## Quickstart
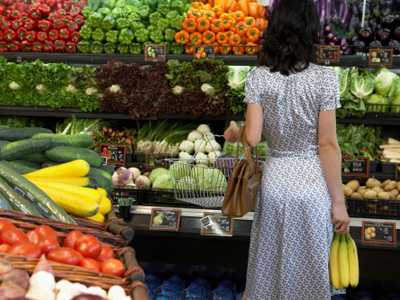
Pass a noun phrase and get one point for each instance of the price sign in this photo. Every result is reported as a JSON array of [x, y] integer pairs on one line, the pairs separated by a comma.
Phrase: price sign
[[155, 52], [358, 167], [216, 225], [203, 51], [328, 55], [380, 57], [375, 233], [114, 154], [165, 219]]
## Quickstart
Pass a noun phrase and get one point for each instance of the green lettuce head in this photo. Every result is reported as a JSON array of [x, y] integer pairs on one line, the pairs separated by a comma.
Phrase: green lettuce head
[[362, 85], [383, 81]]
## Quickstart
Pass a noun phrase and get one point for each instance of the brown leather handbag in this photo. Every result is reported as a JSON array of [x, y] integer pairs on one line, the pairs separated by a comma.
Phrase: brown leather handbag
[[243, 184]]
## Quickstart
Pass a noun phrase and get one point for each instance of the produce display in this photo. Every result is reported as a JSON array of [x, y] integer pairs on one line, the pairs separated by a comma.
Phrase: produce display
[[41, 26], [372, 190], [391, 151], [121, 26], [343, 262], [229, 26]]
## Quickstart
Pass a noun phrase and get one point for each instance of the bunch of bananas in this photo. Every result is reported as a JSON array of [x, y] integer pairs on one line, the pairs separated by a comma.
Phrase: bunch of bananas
[[343, 262]]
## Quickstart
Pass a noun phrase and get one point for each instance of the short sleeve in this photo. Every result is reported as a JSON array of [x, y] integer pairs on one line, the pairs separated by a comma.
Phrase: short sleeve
[[252, 89], [330, 96]]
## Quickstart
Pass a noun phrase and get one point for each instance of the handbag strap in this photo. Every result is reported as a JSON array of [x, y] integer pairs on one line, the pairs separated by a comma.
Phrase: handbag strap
[[247, 147]]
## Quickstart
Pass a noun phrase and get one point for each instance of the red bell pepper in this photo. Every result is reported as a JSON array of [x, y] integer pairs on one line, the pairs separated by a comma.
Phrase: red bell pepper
[[75, 10], [72, 26], [79, 19], [30, 36], [4, 24], [14, 14], [58, 23], [44, 25], [70, 47], [53, 34], [75, 37], [1, 35], [2, 9], [64, 34], [21, 33], [61, 12], [9, 35], [44, 9], [14, 46], [35, 13], [67, 5], [16, 24], [48, 46], [42, 36], [37, 47], [3, 47], [29, 24], [59, 45], [51, 3], [21, 6], [26, 46]]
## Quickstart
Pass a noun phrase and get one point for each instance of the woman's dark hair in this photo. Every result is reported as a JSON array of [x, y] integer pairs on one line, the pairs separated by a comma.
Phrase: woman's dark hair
[[289, 40]]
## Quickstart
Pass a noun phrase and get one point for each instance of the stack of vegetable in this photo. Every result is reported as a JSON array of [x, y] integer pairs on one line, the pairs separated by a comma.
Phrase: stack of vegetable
[[52, 191], [391, 151], [51, 85], [40, 26], [226, 25], [237, 150], [237, 76], [373, 190], [121, 26]]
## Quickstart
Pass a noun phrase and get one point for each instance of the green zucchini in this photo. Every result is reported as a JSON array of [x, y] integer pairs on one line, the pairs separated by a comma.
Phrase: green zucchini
[[100, 178], [4, 203], [16, 134], [23, 167], [38, 158], [19, 149], [48, 208], [109, 169], [17, 201], [63, 154], [77, 140], [47, 164], [3, 143]]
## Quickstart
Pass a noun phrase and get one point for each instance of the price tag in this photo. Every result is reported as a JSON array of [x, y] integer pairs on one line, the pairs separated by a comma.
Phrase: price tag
[[380, 57], [328, 55], [165, 219], [374, 233], [114, 154], [216, 225], [203, 51], [358, 167], [155, 52]]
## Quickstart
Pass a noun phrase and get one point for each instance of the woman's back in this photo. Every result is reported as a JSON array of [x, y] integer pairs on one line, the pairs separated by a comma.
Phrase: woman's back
[[291, 106]]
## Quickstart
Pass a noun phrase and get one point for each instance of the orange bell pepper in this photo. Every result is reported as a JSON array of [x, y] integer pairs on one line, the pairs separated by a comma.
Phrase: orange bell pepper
[[202, 24], [217, 25], [244, 7], [222, 38], [252, 48], [227, 21], [225, 49], [208, 37], [238, 50], [238, 15], [234, 7], [182, 37], [194, 13], [241, 28], [228, 4], [253, 9], [200, 53], [195, 38], [229, 34], [262, 11], [217, 10], [250, 21], [209, 14], [189, 24], [261, 24], [235, 40], [189, 49], [253, 34], [197, 5]]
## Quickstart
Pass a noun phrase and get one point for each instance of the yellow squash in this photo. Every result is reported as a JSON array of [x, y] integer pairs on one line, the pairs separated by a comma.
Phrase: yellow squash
[[76, 181], [99, 218], [75, 168]]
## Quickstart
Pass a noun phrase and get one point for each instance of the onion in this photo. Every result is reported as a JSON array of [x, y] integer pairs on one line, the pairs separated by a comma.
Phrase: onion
[[135, 173], [142, 182]]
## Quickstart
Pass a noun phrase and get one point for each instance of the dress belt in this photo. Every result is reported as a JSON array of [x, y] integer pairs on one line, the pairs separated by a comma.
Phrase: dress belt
[[296, 154]]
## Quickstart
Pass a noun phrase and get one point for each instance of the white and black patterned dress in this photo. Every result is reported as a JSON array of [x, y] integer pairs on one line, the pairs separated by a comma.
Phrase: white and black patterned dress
[[292, 230]]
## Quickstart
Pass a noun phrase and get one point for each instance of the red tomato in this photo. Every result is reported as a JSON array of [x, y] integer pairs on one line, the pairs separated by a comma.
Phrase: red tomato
[[13, 236], [113, 266], [88, 246], [6, 224], [48, 245], [26, 249], [71, 238], [34, 237], [4, 248], [65, 256], [106, 253], [46, 232], [91, 264]]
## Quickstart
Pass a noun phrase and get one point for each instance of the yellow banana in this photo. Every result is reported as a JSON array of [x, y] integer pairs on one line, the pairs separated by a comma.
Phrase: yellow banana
[[344, 262], [334, 263], [354, 272]]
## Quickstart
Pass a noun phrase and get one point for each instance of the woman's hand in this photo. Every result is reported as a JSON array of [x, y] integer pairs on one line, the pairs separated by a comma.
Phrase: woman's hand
[[340, 218], [232, 133]]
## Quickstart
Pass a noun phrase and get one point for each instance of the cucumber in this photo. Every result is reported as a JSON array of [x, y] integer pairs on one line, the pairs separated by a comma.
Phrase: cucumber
[[4, 203], [63, 154], [77, 140], [17, 201], [16, 134], [47, 164], [48, 208], [23, 167], [100, 178], [109, 169], [3, 143], [38, 158], [19, 149]]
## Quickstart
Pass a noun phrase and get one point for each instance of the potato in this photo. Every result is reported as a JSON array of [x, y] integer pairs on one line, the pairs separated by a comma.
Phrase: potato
[[356, 196], [361, 190], [398, 186], [383, 196], [398, 197], [372, 182], [347, 191], [370, 194], [353, 184], [394, 194], [390, 186], [385, 182], [378, 189]]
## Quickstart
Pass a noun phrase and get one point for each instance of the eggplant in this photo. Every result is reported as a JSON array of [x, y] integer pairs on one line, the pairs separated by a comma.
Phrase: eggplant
[[388, 21], [396, 33], [365, 34], [395, 45], [383, 35], [375, 44], [359, 46]]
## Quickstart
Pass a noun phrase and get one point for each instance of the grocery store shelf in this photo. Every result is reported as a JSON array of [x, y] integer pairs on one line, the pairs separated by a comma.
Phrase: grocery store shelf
[[96, 59]]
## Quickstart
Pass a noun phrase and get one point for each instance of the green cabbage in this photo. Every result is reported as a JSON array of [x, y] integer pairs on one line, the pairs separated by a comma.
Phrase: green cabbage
[[377, 103], [180, 169], [164, 181], [212, 180], [383, 81], [186, 183], [157, 173], [395, 95], [344, 79], [362, 85]]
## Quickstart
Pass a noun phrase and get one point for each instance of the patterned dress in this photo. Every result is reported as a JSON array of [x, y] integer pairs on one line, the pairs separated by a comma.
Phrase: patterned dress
[[292, 230]]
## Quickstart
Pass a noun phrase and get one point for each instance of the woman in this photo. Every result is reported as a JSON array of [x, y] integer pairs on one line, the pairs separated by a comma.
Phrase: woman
[[292, 102]]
